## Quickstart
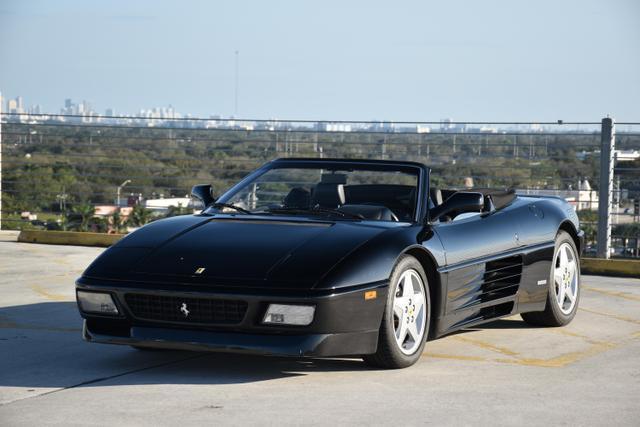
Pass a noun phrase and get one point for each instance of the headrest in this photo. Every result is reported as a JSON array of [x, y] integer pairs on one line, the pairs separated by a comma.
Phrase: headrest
[[436, 196], [328, 195], [500, 198], [333, 178], [298, 197]]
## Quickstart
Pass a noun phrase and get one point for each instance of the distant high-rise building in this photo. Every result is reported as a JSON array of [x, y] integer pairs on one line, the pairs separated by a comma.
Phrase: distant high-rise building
[[446, 124], [20, 103], [12, 106], [109, 112]]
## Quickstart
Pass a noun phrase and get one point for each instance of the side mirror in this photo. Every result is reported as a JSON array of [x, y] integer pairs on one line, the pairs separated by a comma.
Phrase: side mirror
[[202, 192], [460, 202]]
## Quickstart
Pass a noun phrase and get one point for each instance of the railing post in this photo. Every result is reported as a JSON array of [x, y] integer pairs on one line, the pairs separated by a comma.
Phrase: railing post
[[607, 150], [1, 100]]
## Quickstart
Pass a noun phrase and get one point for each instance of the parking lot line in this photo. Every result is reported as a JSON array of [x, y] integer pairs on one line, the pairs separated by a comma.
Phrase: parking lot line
[[564, 331], [455, 357], [595, 347], [554, 362], [564, 359], [611, 316], [625, 295], [489, 346]]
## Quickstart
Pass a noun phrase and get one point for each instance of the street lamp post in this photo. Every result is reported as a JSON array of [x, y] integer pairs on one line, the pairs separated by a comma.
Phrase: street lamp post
[[118, 191]]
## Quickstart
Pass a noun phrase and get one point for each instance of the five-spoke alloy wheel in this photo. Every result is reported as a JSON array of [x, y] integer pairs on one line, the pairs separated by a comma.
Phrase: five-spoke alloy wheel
[[564, 286], [409, 317], [565, 278], [405, 322]]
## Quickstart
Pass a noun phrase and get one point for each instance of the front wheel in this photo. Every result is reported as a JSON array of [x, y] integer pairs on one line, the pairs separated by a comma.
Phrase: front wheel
[[564, 286], [405, 322]]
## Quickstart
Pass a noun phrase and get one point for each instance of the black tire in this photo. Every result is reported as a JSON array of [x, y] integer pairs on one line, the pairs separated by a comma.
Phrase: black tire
[[552, 316], [388, 355]]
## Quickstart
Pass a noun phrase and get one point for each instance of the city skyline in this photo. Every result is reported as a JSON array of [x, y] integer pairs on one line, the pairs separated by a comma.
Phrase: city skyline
[[17, 106], [82, 112], [17, 109]]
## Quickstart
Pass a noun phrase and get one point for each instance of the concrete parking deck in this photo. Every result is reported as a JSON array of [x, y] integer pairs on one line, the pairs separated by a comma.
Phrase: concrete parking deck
[[506, 372]]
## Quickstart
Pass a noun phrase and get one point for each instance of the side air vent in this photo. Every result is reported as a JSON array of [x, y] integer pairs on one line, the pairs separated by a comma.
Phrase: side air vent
[[484, 283], [494, 311], [501, 278]]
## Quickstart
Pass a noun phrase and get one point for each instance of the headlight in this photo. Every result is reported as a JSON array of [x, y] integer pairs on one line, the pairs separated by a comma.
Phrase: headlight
[[97, 302], [284, 314]]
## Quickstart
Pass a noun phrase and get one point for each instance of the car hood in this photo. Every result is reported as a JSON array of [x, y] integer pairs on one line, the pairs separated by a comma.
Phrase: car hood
[[234, 251]]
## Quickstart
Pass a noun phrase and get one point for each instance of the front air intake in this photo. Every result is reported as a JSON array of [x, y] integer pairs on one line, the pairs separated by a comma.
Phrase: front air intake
[[176, 309]]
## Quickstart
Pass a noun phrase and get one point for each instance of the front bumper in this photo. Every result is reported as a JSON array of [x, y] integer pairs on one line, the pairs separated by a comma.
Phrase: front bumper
[[307, 345], [345, 323]]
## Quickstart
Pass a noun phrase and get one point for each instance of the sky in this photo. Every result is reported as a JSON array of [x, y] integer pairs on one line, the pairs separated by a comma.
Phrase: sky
[[487, 60]]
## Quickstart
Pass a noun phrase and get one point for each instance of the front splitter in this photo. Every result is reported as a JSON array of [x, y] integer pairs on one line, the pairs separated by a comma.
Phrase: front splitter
[[303, 345]]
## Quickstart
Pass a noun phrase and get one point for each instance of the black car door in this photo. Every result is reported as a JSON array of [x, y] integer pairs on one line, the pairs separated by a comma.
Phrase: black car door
[[482, 273]]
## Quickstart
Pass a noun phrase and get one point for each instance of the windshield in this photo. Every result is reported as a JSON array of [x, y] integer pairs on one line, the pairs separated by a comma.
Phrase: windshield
[[382, 195]]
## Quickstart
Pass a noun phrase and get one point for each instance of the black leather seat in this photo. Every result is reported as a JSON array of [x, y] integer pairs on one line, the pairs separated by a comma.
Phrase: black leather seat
[[298, 198], [374, 212], [328, 195]]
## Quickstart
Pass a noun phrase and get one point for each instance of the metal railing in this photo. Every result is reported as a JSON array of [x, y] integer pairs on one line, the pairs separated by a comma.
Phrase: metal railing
[[55, 166]]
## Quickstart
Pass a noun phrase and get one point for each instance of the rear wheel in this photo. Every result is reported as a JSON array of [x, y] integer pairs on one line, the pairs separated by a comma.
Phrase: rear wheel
[[564, 286], [405, 322]]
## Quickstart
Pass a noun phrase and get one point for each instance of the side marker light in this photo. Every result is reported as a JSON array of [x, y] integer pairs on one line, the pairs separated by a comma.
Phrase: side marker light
[[370, 295]]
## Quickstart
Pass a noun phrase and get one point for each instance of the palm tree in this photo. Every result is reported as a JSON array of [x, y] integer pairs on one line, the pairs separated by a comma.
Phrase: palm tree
[[139, 216], [177, 210], [86, 212], [117, 222]]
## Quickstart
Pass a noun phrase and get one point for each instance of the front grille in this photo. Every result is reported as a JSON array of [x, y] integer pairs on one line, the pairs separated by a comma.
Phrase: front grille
[[186, 310]]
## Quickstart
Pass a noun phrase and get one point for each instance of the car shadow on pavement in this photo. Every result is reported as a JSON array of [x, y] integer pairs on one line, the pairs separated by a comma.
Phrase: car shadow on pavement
[[506, 324], [41, 347]]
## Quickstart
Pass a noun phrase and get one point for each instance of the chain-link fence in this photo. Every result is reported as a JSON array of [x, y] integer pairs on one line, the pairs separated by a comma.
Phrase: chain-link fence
[[107, 174]]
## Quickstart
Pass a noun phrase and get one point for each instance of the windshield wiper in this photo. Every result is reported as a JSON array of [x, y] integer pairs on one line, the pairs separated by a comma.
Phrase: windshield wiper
[[219, 205], [316, 210]]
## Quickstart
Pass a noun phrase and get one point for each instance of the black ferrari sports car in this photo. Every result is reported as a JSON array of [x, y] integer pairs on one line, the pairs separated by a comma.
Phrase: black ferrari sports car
[[328, 257]]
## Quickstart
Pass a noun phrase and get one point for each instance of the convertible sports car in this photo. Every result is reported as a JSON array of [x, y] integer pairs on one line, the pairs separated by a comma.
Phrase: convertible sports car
[[328, 257]]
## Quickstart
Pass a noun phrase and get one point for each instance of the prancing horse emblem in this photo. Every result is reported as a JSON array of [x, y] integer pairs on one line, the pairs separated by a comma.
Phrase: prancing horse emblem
[[200, 270], [184, 310]]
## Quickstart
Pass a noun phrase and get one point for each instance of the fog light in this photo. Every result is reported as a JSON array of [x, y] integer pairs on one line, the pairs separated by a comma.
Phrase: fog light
[[96, 302], [289, 314]]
